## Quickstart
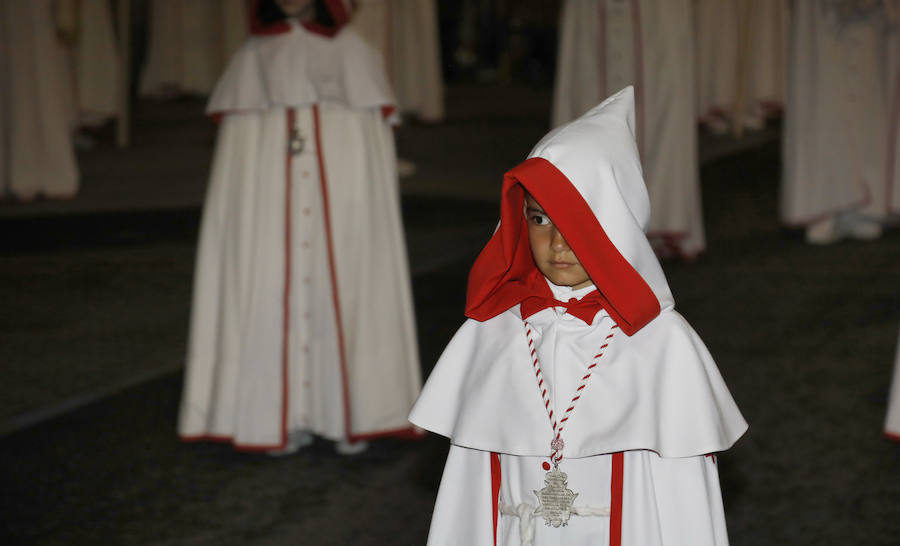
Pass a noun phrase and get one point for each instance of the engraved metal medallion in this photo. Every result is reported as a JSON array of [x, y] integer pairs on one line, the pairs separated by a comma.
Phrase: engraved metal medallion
[[555, 499], [296, 143]]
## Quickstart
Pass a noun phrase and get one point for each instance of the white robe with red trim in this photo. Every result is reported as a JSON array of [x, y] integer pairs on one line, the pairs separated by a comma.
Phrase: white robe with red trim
[[406, 33], [36, 109], [840, 131], [653, 406], [605, 46], [302, 312]]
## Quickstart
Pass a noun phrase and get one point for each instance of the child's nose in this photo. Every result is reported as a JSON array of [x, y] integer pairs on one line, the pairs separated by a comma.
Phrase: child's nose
[[557, 242]]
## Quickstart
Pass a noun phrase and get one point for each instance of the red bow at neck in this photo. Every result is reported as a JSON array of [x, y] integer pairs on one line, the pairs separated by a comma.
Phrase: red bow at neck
[[585, 308]]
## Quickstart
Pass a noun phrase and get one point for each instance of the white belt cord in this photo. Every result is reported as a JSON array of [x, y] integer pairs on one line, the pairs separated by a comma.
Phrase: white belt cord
[[526, 514]]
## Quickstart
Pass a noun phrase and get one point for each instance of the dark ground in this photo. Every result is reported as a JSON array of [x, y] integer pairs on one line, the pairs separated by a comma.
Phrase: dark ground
[[804, 336]]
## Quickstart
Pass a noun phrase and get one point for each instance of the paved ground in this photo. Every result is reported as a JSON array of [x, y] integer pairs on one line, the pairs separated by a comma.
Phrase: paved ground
[[94, 315]]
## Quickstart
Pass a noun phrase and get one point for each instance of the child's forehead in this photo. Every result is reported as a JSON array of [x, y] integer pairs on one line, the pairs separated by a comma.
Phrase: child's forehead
[[530, 201]]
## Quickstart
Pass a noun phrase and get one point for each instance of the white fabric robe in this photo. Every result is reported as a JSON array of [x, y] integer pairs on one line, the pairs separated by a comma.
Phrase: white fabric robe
[[841, 116], [302, 312], [605, 46], [36, 111], [653, 406], [892, 421], [406, 33], [741, 48], [189, 44]]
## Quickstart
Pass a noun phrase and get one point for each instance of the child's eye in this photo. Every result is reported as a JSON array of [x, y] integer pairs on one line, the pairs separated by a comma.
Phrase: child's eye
[[540, 219]]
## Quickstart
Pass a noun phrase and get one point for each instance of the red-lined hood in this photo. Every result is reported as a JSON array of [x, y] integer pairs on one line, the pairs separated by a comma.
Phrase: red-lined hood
[[587, 177], [340, 11]]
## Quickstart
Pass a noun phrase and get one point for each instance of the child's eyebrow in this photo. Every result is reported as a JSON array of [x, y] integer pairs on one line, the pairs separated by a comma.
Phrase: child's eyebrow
[[535, 209]]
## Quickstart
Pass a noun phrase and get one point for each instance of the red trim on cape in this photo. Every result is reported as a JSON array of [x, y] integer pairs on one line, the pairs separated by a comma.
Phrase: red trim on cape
[[616, 494], [504, 273], [894, 437], [496, 480], [332, 270]]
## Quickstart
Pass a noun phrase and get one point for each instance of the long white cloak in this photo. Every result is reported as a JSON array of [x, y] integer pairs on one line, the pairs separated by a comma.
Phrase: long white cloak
[[188, 44], [605, 46], [36, 155], [406, 33], [302, 312], [654, 404], [839, 140], [741, 48]]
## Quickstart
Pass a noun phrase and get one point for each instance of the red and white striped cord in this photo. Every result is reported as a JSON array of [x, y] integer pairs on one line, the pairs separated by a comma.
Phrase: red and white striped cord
[[557, 444]]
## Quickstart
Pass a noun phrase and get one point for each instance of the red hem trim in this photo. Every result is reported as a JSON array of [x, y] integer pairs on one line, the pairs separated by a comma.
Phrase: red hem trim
[[407, 433], [332, 270], [496, 480], [616, 493], [894, 437]]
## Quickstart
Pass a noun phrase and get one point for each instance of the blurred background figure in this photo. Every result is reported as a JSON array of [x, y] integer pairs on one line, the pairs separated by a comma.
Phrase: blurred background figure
[[605, 46], [840, 139], [302, 320], [36, 104], [189, 44], [892, 421], [741, 49], [87, 30], [406, 33]]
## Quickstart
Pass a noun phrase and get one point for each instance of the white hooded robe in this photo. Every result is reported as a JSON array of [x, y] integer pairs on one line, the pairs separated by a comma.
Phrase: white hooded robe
[[302, 313], [654, 407]]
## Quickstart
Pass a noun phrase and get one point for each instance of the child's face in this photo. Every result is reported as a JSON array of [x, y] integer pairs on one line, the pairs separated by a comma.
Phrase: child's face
[[550, 250], [294, 8]]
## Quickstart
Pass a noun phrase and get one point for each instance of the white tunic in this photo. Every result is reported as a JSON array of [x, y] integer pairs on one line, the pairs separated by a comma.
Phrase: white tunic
[[839, 140], [607, 45], [406, 33], [36, 110], [302, 313]]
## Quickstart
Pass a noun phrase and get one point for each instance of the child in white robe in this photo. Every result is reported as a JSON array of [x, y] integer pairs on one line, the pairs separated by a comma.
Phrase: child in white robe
[[581, 408], [302, 317]]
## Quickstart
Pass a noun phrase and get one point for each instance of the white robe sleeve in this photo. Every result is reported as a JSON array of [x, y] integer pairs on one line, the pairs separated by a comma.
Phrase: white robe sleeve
[[463, 512], [689, 510]]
